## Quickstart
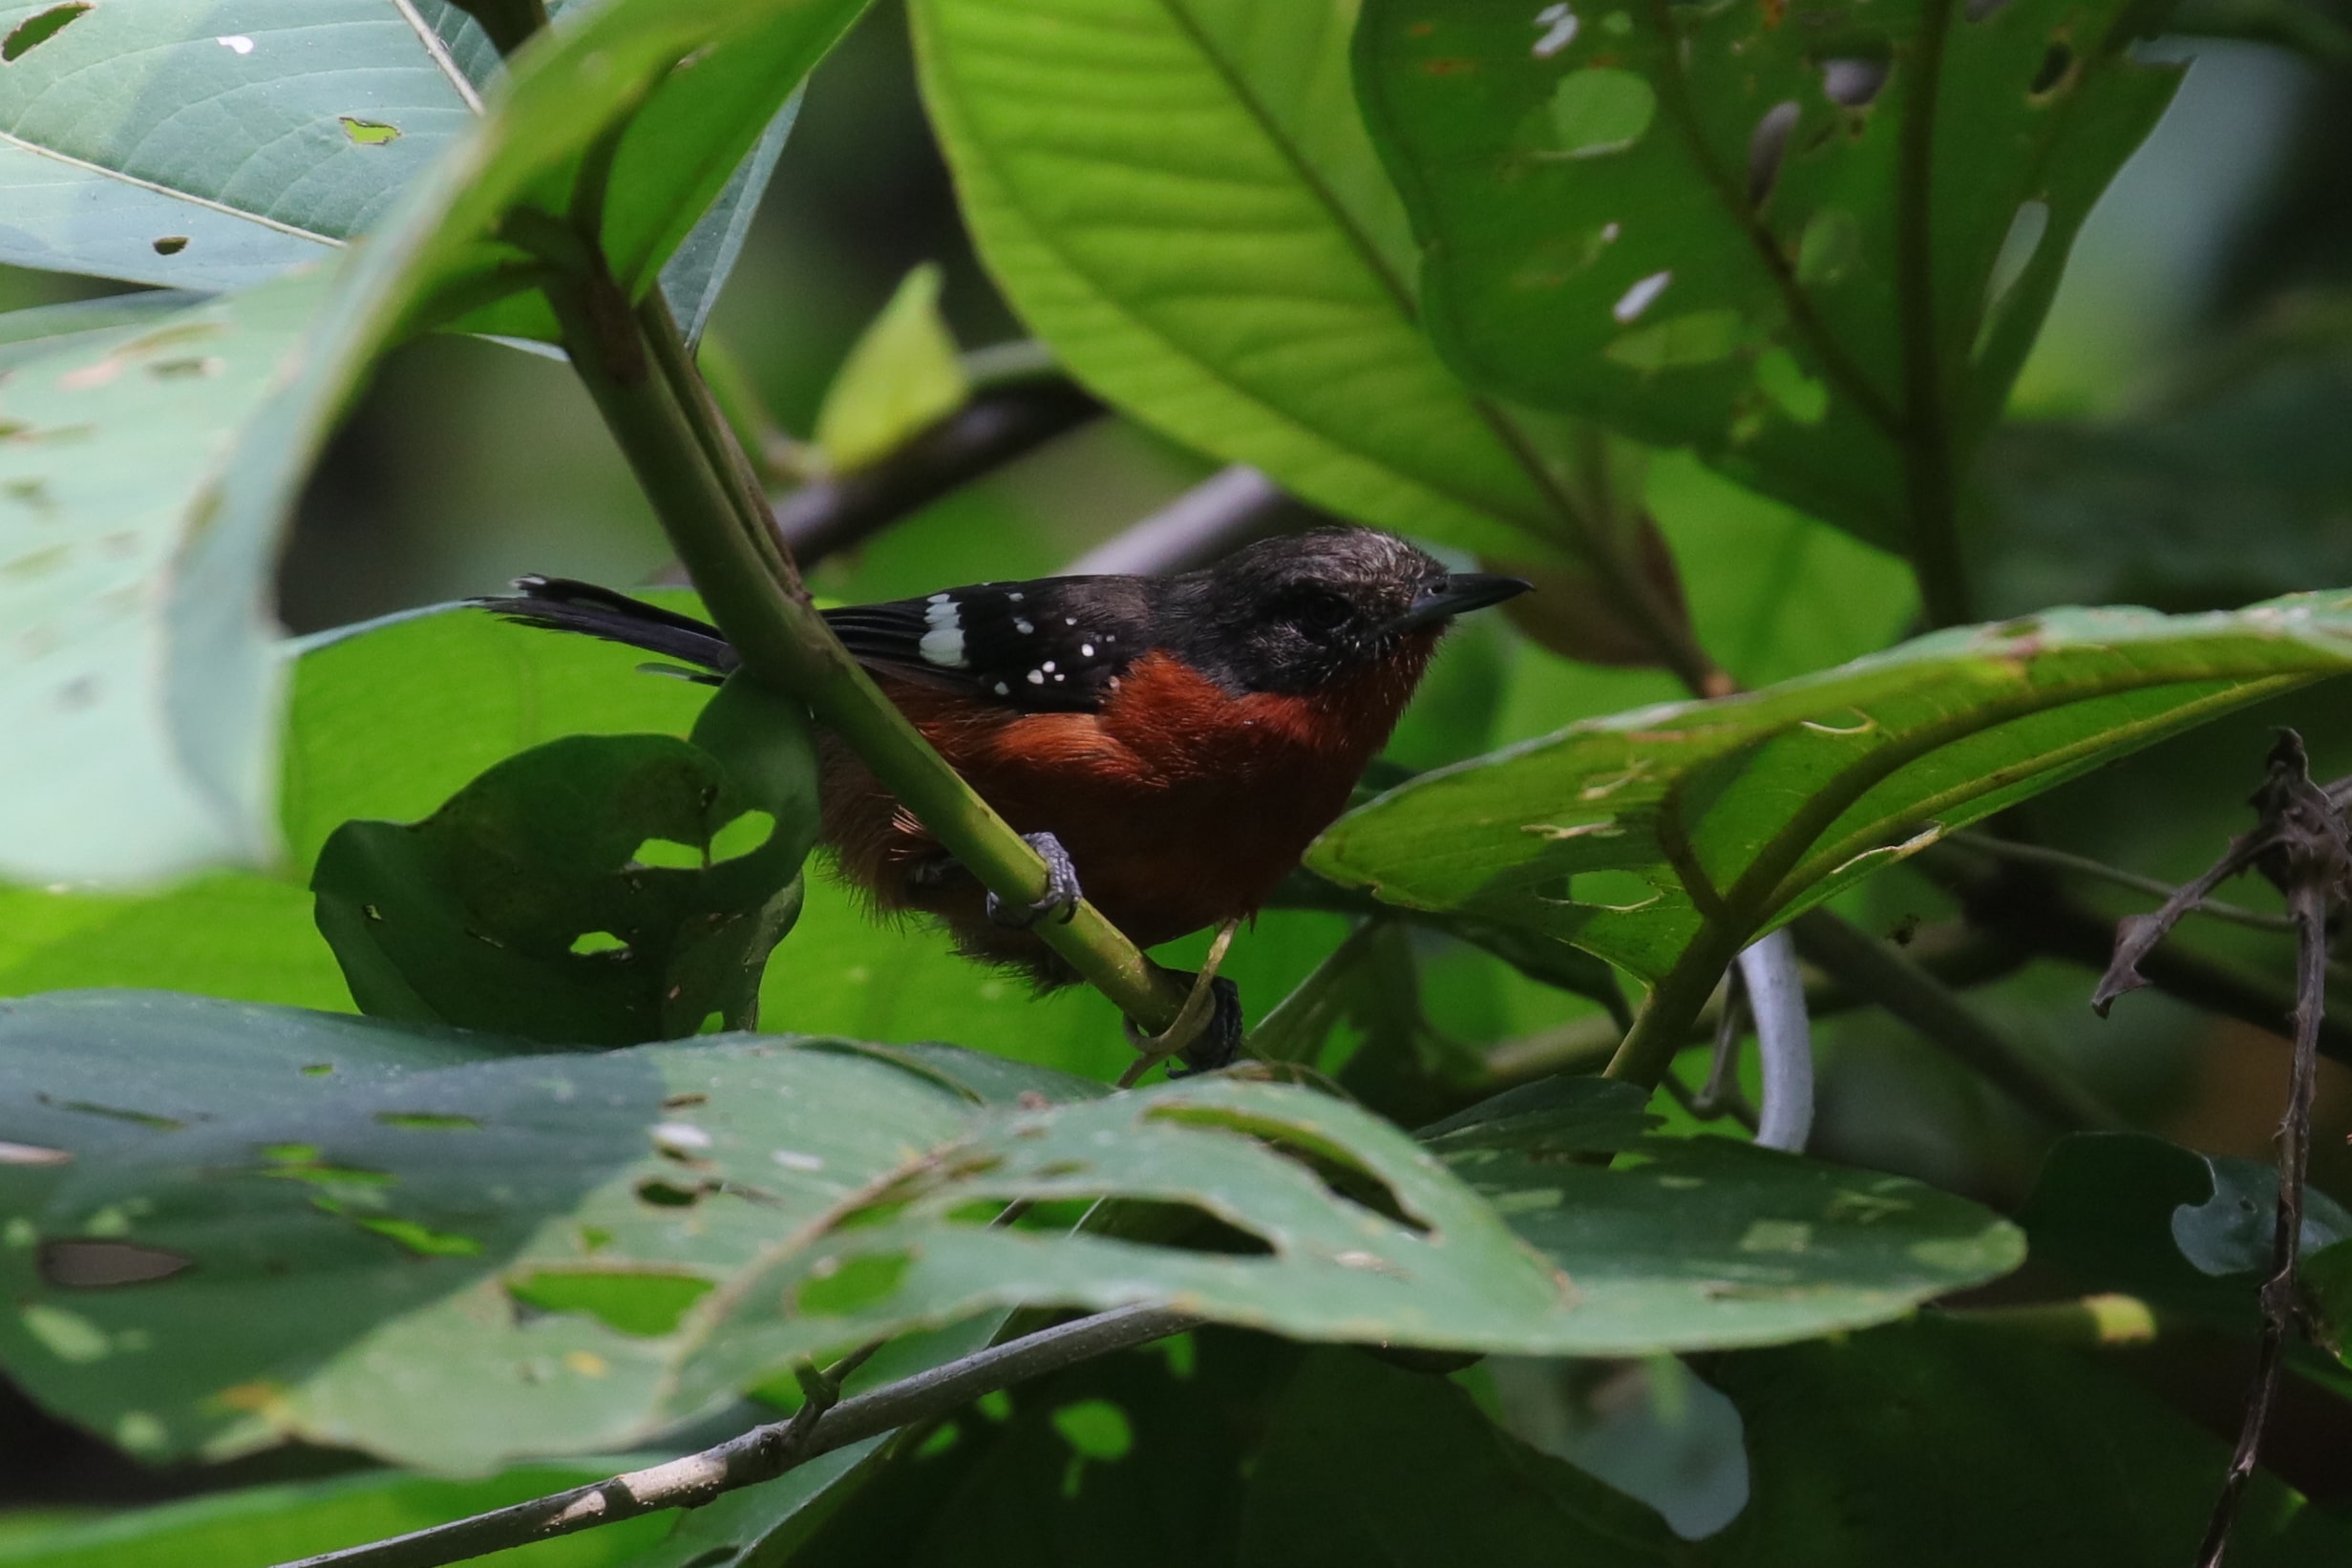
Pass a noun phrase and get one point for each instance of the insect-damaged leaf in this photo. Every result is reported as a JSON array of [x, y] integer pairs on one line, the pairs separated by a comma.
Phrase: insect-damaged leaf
[[596, 890], [449, 1265], [1636, 836], [1812, 240]]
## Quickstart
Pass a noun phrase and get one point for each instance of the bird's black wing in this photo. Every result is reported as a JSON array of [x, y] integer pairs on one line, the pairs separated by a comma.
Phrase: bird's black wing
[[1050, 645]]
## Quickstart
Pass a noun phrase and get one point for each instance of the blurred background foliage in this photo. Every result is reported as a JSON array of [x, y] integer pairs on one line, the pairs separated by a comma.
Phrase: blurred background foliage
[[467, 462]]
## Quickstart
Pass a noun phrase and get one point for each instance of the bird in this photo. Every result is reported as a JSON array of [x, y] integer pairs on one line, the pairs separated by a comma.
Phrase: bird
[[1169, 745]]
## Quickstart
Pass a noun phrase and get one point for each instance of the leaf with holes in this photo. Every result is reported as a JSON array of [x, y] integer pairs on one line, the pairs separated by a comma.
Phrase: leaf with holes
[[1179, 197], [188, 772], [1812, 240], [1666, 839], [228, 1225], [188, 144], [596, 890], [1708, 1243]]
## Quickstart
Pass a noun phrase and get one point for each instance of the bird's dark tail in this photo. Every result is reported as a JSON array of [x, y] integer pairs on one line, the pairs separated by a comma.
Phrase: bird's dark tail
[[561, 604]]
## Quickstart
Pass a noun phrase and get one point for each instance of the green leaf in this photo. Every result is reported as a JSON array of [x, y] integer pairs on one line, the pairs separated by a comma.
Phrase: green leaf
[[1177, 194], [902, 376], [338, 1227], [1940, 1443], [1365, 1463], [155, 144], [141, 672], [1673, 836], [2188, 1234], [265, 1524], [1811, 242], [187, 754], [1686, 1243], [596, 890]]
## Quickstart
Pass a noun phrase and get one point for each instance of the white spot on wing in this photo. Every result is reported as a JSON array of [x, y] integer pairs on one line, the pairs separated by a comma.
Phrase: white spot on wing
[[1085, 650], [1640, 296], [944, 644], [1024, 627], [1037, 677]]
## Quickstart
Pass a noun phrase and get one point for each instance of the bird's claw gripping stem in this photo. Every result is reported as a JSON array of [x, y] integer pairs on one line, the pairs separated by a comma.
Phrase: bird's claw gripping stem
[[1218, 1040], [1061, 894]]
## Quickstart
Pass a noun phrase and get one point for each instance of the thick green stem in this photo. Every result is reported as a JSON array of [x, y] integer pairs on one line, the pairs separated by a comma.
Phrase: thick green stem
[[703, 490], [1662, 1026]]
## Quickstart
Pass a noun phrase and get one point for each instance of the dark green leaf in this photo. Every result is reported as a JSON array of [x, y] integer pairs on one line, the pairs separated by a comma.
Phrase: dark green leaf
[[1650, 835], [1813, 241], [1366, 1463], [596, 890], [1937, 1444]]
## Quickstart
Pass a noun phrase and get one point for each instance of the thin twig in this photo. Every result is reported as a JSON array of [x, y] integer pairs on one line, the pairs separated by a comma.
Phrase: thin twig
[[764, 1452], [1888, 977], [2058, 860]]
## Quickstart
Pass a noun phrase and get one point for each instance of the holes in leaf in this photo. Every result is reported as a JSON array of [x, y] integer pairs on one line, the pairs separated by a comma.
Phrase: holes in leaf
[[645, 1304], [422, 1239], [1853, 82], [1764, 147], [2018, 246], [742, 835], [1186, 1227], [170, 245], [370, 132], [427, 1121], [1342, 1174], [142, 1118], [40, 27], [838, 1287], [1700, 337], [2055, 71], [663, 1194], [84, 1264], [590, 942], [1828, 248], [192, 368], [668, 854], [1597, 112]]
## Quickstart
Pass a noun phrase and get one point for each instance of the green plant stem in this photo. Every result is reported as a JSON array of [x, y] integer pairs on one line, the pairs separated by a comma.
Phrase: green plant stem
[[703, 490], [1664, 1025], [1884, 973], [1931, 481]]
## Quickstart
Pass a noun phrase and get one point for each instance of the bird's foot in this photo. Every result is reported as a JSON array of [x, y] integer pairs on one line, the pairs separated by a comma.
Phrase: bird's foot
[[1218, 1040], [1062, 891]]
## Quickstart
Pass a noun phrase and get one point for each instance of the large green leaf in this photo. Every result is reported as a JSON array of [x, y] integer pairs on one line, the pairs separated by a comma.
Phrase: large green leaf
[[196, 145], [1813, 241], [271, 1223], [256, 1526], [1679, 833], [1179, 197], [1943, 1445], [195, 734], [596, 890], [226, 1224]]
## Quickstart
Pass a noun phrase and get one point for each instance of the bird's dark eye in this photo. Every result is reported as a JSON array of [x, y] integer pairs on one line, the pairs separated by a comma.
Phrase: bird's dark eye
[[1317, 610]]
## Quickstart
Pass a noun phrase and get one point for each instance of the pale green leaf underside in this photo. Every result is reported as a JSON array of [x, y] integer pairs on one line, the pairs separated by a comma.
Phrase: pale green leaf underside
[[193, 144], [575, 1251], [1635, 835]]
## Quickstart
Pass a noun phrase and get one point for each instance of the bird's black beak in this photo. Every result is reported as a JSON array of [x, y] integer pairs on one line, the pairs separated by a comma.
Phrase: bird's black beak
[[1461, 593]]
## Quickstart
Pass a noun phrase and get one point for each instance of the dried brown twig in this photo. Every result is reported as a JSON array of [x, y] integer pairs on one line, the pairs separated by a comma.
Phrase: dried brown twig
[[2303, 844]]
